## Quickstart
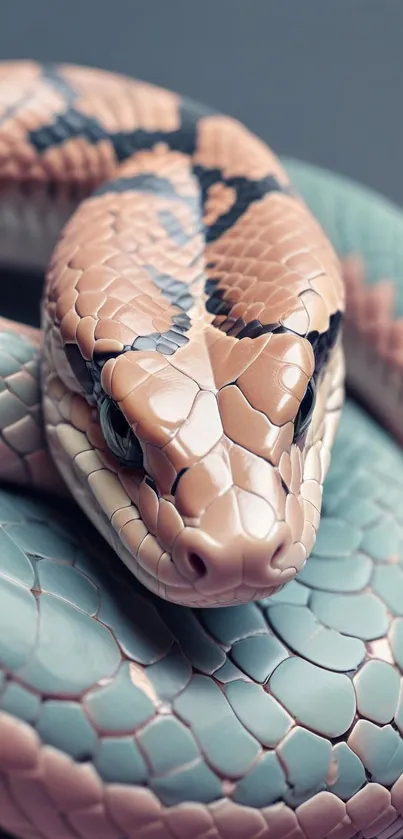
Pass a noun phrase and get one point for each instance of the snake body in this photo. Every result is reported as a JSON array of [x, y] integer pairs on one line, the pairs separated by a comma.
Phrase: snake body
[[185, 389], [191, 365]]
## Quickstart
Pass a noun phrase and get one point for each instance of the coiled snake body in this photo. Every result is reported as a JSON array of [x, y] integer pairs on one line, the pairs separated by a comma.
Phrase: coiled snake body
[[191, 365], [186, 386]]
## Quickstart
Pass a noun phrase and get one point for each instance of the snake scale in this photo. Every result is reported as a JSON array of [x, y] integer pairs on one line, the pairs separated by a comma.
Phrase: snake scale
[[186, 389]]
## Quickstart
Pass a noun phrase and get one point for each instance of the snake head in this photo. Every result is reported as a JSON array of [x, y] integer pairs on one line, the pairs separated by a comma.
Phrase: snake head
[[215, 504]]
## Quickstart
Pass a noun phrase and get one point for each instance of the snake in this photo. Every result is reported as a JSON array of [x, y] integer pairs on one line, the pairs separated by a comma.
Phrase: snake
[[186, 390], [191, 366]]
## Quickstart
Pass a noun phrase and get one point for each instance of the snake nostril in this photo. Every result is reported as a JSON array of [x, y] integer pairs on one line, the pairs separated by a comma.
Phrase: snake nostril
[[197, 565], [278, 555]]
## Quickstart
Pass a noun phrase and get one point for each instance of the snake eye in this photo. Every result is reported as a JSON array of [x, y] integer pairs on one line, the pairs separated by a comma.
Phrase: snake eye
[[119, 436], [305, 411]]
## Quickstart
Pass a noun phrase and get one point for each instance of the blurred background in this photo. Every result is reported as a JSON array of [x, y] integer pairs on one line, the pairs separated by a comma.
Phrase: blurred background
[[319, 80]]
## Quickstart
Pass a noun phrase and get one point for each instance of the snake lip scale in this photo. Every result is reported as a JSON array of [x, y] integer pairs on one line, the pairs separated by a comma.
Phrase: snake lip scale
[[190, 355]]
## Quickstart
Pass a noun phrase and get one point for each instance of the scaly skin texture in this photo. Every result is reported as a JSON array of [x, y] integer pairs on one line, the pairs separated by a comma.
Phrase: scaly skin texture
[[128, 717], [191, 310]]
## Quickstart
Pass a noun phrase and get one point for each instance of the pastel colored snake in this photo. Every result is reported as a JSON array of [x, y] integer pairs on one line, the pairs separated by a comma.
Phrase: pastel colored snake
[[190, 375], [191, 364]]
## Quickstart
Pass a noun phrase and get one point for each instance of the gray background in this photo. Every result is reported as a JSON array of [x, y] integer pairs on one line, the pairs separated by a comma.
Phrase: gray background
[[318, 79]]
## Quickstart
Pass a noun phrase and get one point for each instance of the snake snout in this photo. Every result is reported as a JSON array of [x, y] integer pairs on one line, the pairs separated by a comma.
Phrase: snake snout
[[213, 568]]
